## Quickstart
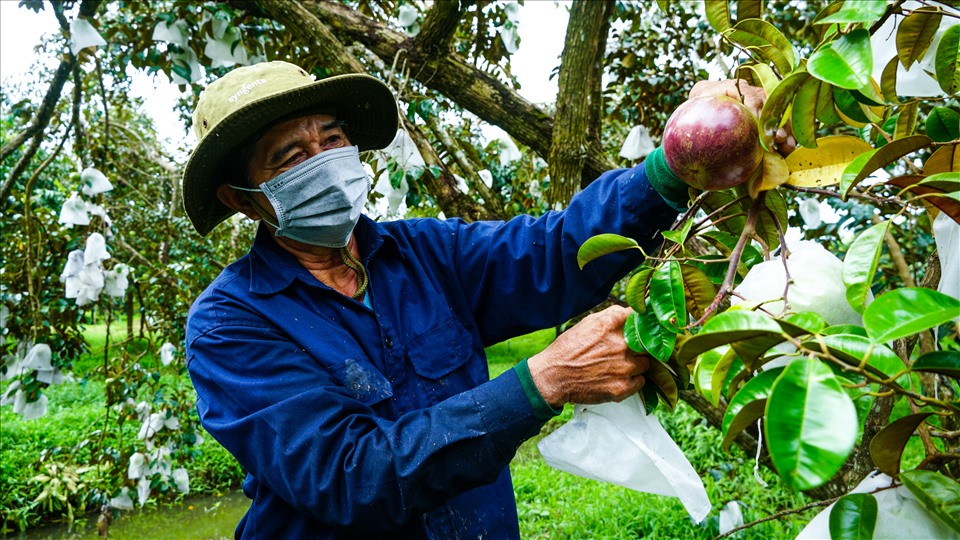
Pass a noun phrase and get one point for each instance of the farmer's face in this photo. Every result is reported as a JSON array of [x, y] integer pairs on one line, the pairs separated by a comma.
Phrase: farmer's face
[[292, 142]]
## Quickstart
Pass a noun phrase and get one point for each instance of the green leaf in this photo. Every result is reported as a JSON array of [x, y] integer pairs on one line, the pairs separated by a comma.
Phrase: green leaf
[[766, 228], [804, 116], [844, 329], [630, 334], [811, 424], [666, 295], [700, 291], [718, 14], [826, 110], [852, 170], [948, 52], [603, 244], [846, 62], [902, 312], [771, 116], [915, 34], [948, 182], [808, 321], [739, 413], [637, 288], [719, 375], [726, 328], [649, 397], [653, 337], [749, 9], [856, 350], [704, 368], [767, 41], [937, 493], [860, 264], [942, 362], [750, 350], [853, 517], [858, 11], [679, 236], [886, 447], [659, 375], [848, 106], [943, 124]]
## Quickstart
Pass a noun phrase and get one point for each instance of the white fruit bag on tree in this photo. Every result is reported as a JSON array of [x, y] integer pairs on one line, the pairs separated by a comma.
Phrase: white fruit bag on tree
[[899, 515], [946, 231], [817, 284], [619, 443], [638, 143]]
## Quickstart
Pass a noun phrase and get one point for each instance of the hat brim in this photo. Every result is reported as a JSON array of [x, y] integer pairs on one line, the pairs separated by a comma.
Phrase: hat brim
[[363, 102]]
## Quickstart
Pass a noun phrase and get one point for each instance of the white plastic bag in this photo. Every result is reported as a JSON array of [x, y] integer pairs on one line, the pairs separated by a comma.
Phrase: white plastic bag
[[946, 231], [637, 144], [899, 515], [620, 444]]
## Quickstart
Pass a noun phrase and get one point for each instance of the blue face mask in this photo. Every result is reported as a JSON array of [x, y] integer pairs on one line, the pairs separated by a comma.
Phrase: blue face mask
[[319, 201]]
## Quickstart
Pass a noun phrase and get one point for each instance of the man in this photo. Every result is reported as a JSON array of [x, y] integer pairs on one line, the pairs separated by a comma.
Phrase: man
[[341, 361]]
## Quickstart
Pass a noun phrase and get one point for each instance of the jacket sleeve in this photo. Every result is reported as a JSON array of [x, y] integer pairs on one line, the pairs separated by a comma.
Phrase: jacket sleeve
[[523, 275], [320, 446]]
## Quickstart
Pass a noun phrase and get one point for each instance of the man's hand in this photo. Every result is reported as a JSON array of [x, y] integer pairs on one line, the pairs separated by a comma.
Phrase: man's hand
[[589, 363], [753, 98]]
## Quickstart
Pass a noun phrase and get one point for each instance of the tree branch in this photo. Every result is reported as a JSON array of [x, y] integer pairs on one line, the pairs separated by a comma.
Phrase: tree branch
[[41, 119], [439, 25]]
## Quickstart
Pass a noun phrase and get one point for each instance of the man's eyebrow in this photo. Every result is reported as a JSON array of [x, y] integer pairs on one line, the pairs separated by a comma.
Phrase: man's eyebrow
[[278, 154]]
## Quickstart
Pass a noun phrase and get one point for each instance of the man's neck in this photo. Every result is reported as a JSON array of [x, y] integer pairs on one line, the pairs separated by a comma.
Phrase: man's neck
[[325, 264]]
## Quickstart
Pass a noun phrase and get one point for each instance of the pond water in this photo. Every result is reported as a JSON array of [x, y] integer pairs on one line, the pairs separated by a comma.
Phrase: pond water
[[202, 518]]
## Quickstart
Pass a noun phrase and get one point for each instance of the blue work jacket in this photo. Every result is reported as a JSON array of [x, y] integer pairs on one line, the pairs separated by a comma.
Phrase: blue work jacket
[[381, 422]]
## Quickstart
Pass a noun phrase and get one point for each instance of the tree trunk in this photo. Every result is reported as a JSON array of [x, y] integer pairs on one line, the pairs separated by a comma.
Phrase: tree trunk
[[577, 122]]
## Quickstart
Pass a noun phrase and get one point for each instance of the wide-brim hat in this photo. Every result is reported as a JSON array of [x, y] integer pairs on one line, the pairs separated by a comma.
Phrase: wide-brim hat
[[247, 100]]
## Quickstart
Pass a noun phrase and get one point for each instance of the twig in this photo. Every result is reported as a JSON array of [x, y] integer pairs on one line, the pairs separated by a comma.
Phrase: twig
[[784, 254], [778, 515]]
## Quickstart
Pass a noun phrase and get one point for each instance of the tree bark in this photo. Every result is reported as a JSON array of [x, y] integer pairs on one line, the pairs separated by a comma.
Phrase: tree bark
[[450, 75], [575, 133], [439, 26]]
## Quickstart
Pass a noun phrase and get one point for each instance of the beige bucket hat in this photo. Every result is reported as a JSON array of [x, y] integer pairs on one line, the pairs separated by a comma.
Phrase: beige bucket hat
[[248, 99]]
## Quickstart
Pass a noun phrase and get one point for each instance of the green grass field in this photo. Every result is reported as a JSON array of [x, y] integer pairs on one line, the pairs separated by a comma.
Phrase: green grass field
[[551, 504]]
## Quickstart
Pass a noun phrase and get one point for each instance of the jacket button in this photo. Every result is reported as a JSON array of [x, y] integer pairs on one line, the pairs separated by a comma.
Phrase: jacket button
[[389, 342]]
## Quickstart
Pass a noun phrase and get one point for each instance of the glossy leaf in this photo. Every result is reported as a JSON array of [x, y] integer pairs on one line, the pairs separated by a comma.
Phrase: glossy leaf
[[719, 375], [826, 109], [750, 350], [747, 405], [943, 124], [666, 295], [637, 289], [946, 182], [869, 94], [942, 362], [853, 517], [902, 312], [718, 14], [882, 157], [946, 63], [700, 291], [852, 170], [652, 336], [811, 424], [775, 174], [803, 120], [886, 447], [766, 228], [603, 244], [860, 11], [844, 329], [846, 62], [804, 322], [717, 199], [824, 165], [776, 105], [703, 370], [650, 397], [764, 75], [849, 109], [660, 376], [937, 493], [679, 236], [726, 328], [860, 264], [767, 41], [888, 81], [854, 349], [915, 34], [907, 120]]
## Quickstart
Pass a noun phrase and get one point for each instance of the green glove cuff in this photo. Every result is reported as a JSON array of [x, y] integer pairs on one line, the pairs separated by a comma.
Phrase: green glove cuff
[[541, 408], [672, 189]]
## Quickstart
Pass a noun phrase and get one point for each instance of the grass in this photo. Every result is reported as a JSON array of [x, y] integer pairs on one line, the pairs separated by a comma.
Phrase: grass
[[551, 504]]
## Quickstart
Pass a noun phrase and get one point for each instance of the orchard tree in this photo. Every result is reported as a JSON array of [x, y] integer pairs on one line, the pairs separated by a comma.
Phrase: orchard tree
[[836, 398]]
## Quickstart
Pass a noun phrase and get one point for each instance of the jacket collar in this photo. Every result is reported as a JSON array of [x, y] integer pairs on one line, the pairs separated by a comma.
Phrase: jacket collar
[[273, 268]]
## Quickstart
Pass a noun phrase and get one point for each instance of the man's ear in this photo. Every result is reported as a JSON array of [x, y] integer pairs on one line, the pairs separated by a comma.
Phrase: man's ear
[[237, 200]]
